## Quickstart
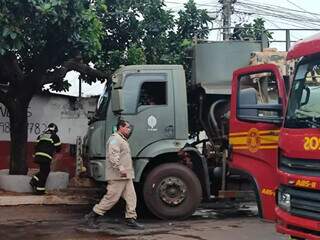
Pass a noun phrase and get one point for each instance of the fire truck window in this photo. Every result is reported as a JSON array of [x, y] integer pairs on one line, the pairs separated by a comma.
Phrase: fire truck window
[[153, 93], [258, 89]]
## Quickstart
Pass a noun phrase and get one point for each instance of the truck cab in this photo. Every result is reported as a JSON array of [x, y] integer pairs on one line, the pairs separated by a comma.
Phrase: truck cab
[[298, 196], [145, 96]]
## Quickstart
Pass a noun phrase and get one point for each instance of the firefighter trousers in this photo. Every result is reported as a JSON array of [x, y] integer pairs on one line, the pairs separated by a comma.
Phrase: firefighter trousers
[[40, 178], [115, 190]]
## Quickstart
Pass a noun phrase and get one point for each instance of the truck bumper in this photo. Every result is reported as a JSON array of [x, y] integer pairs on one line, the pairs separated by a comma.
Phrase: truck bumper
[[297, 226]]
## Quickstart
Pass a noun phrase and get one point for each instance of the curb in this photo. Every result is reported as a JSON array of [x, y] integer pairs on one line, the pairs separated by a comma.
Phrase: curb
[[45, 200]]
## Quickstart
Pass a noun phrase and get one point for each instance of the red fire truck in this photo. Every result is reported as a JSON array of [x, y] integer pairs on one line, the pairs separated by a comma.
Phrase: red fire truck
[[298, 195]]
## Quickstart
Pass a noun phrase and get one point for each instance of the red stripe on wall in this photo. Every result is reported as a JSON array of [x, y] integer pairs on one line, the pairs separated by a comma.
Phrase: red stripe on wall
[[64, 161]]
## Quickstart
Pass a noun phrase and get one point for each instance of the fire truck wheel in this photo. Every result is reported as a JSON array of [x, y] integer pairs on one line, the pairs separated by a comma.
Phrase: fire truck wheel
[[172, 191]]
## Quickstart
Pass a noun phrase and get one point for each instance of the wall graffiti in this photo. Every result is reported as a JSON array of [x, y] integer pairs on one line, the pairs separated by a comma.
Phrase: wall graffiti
[[72, 122]]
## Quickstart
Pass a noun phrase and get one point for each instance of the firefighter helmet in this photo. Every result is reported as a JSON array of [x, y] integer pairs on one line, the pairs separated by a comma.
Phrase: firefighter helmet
[[52, 127]]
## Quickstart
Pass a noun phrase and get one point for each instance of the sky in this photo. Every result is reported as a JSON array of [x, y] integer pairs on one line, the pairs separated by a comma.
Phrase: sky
[[277, 14]]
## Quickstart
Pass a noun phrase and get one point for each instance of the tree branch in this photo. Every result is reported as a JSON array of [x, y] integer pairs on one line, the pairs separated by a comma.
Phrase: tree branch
[[73, 64], [10, 71], [76, 65], [3, 95]]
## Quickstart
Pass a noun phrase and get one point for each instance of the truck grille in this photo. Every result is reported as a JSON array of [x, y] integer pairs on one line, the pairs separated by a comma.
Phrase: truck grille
[[304, 167], [304, 203]]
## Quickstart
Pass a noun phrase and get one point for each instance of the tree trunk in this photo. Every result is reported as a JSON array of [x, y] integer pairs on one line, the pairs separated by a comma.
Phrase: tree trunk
[[19, 136]]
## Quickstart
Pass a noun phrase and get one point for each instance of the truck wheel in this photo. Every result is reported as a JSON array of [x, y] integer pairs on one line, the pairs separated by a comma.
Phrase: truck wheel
[[172, 191]]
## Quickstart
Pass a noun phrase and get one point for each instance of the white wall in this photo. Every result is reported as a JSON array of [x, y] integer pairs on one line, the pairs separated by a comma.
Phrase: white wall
[[52, 108]]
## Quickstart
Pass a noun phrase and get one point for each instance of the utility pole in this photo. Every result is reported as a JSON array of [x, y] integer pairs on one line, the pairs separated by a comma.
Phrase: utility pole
[[227, 10]]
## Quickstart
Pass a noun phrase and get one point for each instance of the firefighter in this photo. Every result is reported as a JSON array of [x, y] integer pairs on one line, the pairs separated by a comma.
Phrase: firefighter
[[48, 143]]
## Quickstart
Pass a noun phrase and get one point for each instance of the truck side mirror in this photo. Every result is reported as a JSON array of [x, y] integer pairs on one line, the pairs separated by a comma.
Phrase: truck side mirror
[[116, 100], [306, 96]]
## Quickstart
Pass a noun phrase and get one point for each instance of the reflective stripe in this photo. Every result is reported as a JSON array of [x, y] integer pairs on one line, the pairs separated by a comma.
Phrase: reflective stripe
[[254, 140], [35, 177], [57, 144], [41, 188], [261, 147], [43, 154], [260, 132], [46, 139], [266, 139]]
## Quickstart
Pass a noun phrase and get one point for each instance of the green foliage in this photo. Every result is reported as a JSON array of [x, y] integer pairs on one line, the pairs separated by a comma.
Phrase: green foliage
[[43, 34], [157, 23], [61, 86], [108, 33], [136, 56], [193, 22], [145, 32], [252, 30]]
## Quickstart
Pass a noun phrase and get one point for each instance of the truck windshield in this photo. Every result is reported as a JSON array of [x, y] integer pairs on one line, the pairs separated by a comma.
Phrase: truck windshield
[[304, 100], [102, 104]]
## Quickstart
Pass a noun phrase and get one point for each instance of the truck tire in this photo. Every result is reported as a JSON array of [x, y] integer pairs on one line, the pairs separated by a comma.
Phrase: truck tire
[[172, 191]]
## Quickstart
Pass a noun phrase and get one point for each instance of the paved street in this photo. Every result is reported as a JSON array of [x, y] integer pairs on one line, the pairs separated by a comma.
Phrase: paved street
[[65, 222]]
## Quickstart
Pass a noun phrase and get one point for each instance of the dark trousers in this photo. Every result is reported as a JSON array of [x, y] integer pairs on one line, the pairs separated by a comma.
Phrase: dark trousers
[[39, 179]]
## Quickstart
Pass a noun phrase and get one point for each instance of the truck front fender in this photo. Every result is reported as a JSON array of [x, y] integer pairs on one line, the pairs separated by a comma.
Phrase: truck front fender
[[161, 147], [200, 167], [139, 165], [152, 151]]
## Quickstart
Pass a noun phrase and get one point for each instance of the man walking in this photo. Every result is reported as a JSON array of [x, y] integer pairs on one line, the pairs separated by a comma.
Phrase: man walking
[[119, 174], [47, 144]]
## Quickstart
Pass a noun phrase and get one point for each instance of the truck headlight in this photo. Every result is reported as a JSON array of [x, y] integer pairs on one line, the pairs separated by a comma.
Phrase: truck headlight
[[284, 201]]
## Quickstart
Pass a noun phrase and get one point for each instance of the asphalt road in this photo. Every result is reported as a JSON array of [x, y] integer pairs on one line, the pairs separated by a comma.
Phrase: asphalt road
[[66, 222]]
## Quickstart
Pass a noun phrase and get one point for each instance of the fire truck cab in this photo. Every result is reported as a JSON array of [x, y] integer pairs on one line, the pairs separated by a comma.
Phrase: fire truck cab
[[298, 195]]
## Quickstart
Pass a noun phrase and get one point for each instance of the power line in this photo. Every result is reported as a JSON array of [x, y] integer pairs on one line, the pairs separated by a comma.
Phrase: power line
[[280, 12], [279, 9], [279, 18], [276, 15], [248, 2], [197, 4], [297, 6], [277, 26], [294, 18]]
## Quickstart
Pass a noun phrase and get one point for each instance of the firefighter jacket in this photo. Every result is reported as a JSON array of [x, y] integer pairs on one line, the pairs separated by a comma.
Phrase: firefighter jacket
[[118, 156], [47, 144]]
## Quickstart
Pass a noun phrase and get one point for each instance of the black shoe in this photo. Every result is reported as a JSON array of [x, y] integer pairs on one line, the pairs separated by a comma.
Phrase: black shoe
[[39, 193], [91, 219], [33, 184], [132, 223]]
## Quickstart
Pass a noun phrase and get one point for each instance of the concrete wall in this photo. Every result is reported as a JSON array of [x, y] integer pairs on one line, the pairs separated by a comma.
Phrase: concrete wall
[[70, 117]]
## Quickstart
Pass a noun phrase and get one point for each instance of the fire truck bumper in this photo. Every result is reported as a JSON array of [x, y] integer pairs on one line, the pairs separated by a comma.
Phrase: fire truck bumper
[[297, 226]]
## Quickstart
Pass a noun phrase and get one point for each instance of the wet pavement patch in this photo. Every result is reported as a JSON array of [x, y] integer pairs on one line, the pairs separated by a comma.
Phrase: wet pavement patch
[[234, 226], [122, 230]]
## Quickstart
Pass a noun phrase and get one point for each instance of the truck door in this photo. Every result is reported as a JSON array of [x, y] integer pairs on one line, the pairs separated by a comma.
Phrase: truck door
[[151, 111], [257, 106]]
